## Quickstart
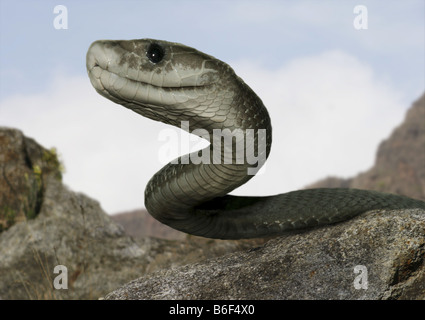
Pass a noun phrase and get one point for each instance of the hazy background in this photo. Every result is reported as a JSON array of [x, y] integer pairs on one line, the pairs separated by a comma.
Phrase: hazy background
[[333, 92]]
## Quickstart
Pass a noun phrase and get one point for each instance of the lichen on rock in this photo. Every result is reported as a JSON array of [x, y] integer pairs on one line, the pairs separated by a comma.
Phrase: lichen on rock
[[24, 167]]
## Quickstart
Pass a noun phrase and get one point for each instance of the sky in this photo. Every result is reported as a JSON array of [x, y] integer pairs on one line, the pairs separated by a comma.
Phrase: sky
[[334, 88]]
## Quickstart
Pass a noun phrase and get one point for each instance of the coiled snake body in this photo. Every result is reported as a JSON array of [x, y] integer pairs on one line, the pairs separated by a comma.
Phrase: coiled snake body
[[170, 82]]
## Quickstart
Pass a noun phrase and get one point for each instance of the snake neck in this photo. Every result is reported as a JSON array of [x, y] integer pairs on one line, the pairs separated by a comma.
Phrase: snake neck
[[238, 148]]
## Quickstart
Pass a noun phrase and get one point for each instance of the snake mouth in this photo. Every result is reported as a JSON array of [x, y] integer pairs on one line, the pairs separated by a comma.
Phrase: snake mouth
[[97, 69], [128, 91]]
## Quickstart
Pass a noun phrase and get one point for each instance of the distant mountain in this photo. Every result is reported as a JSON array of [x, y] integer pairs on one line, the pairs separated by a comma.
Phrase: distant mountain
[[400, 161], [399, 168], [139, 223]]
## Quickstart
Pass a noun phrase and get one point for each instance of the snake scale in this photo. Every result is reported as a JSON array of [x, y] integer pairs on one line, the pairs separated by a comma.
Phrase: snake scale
[[171, 82]]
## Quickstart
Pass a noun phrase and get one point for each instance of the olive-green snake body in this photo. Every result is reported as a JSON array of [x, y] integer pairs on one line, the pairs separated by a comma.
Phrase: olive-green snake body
[[171, 83]]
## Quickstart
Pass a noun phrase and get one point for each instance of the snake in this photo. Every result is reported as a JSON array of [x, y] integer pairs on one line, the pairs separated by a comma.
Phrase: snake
[[171, 82]]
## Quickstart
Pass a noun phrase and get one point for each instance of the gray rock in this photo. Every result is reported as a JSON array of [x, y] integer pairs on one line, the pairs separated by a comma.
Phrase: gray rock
[[73, 231], [385, 248], [24, 165]]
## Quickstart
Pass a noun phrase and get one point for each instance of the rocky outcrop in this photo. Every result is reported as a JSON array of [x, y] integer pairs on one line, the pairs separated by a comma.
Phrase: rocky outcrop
[[46, 225], [379, 255], [400, 161], [24, 166]]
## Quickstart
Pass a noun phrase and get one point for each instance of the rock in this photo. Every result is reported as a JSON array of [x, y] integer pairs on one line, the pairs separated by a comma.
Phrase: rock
[[24, 166], [70, 230], [386, 249]]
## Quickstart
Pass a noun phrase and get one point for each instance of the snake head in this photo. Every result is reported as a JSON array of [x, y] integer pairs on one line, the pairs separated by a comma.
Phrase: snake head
[[161, 80]]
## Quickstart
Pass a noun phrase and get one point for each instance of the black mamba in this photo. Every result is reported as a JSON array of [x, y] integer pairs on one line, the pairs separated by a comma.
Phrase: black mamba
[[244, 142]]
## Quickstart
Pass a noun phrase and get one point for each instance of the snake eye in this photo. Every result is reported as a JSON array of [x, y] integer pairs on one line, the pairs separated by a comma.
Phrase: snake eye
[[155, 53]]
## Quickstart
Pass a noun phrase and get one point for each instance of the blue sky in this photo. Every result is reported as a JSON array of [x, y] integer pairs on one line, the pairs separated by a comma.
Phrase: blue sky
[[304, 59], [270, 31]]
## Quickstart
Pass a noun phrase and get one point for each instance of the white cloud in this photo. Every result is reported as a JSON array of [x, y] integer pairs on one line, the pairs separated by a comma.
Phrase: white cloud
[[329, 113]]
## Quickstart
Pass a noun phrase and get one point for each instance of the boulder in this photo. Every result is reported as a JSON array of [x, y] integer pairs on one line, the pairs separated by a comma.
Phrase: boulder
[[24, 166], [378, 255]]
